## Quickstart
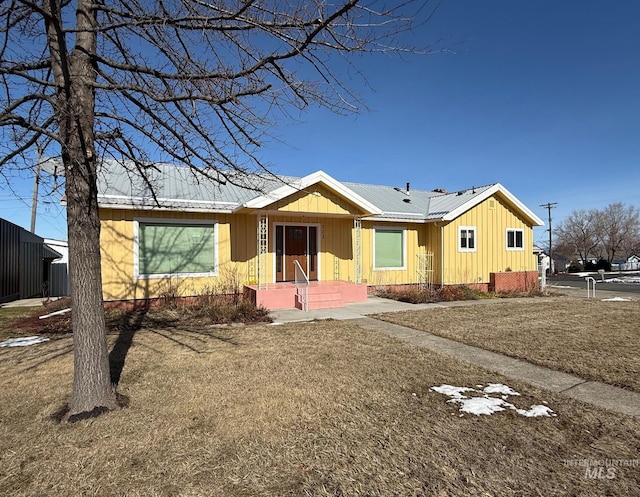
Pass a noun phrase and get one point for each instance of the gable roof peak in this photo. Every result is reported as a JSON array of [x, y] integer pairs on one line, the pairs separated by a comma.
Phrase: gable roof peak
[[300, 184], [483, 193]]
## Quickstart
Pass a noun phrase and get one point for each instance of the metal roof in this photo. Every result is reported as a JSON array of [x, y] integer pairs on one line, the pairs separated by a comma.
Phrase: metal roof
[[450, 202], [122, 185], [394, 202]]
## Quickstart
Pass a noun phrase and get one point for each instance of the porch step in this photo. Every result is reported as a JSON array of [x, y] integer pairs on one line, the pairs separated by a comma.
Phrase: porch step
[[322, 295], [323, 298]]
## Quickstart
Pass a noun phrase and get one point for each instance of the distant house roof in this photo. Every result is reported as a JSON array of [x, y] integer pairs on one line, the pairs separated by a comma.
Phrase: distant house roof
[[538, 250], [61, 247], [50, 253], [170, 187]]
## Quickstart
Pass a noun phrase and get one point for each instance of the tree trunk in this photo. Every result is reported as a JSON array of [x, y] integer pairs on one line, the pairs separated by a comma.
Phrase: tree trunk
[[91, 377], [75, 75]]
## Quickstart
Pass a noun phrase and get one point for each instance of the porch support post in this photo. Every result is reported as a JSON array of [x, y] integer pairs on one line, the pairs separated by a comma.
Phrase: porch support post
[[263, 249], [357, 229]]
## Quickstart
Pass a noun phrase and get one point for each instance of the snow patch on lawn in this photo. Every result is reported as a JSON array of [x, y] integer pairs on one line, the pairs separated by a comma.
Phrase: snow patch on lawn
[[616, 299], [499, 388], [453, 392], [625, 279], [481, 402], [23, 342], [633, 278]]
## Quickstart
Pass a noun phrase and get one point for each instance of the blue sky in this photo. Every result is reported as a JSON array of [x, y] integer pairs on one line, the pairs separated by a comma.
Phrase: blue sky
[[543, 97]]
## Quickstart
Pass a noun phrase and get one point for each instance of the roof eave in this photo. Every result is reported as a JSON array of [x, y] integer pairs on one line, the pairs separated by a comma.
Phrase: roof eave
[[451, 215], [140, 204]]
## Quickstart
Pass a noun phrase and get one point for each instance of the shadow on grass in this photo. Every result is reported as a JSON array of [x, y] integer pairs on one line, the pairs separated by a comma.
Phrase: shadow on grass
[[130, 323], [178, 330], [182, 336]]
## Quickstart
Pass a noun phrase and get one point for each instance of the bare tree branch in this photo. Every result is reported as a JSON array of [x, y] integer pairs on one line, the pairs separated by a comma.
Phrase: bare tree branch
[[197, 82], [600, 234]]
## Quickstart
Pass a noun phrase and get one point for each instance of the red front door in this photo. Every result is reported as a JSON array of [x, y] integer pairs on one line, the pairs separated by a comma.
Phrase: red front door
[[296, 243]]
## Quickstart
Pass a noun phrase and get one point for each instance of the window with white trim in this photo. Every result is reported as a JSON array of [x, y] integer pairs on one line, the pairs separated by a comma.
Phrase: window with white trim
[[515, 239], [389, 251], [176, 248], [467, 239]]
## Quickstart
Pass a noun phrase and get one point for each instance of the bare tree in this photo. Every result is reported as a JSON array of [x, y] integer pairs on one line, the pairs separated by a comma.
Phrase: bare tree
[[577, 234], [602, 233], [195, 82], [618, 230]]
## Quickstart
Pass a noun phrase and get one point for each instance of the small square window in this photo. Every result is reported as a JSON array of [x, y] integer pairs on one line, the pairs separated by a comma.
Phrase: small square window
[[467, 239], [515, 239]]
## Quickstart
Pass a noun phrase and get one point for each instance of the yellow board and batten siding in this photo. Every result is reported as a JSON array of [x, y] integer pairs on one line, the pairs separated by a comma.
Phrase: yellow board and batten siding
[[415, 241], [236, 245], [433, 241], [334, 217], [316, 200], [335, 254], [491, 219]]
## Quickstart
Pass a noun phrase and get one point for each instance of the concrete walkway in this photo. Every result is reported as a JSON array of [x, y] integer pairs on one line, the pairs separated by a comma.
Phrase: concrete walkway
[[591, 392], [37, 302]]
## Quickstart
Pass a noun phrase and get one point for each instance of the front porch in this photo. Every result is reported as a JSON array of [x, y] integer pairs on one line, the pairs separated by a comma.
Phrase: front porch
[[321, 294]]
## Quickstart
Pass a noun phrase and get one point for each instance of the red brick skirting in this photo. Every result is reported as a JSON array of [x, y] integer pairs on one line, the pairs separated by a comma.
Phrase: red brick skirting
[[513, 281]]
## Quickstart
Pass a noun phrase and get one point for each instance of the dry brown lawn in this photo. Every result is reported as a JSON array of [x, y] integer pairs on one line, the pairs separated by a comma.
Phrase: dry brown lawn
[[317, 409], [8, 315], [593, 339]]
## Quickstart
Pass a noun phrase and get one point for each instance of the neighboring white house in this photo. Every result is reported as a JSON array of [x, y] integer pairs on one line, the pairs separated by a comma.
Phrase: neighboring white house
[[631, 264], [59, 275], [543, 259]]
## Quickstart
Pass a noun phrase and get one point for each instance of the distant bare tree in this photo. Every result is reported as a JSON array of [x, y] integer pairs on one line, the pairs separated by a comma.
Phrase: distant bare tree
[[604, 233], [618, 230], [577, 234], [190, 81]]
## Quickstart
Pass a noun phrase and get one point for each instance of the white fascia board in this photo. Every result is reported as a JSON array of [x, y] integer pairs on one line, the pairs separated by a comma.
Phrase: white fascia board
[[387, 219], [536, 221], [164, 209], [318, 177], [138, 203], [132, 200]]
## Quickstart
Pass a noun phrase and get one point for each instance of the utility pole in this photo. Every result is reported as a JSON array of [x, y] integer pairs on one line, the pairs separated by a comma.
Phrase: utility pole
[[549, 206], [34, 200]]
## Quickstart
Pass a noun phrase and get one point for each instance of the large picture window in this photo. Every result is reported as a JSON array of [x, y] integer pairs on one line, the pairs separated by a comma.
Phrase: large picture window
[[467, 239], [515, 239], [184, 248], [389, 248]]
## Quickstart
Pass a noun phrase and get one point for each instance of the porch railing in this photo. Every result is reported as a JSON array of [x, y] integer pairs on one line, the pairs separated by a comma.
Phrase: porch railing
[[302, 286]]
